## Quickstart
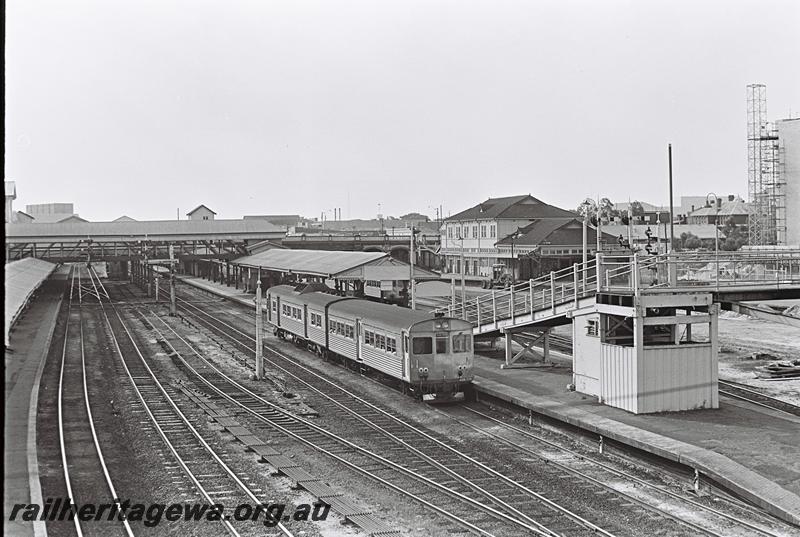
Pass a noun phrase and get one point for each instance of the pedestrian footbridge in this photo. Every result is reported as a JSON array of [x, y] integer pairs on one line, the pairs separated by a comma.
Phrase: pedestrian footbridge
[[644, 329]]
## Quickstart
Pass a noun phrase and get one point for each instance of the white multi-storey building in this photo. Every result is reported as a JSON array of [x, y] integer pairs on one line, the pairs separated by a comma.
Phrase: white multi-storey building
[[474, 233]]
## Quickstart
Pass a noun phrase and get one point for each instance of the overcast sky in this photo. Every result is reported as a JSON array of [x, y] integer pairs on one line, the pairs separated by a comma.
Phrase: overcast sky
[[143, 107]]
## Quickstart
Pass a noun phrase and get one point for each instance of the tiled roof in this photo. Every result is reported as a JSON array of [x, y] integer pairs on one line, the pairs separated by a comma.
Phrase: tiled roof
[[560, 231], [729, 208], [512, 207]]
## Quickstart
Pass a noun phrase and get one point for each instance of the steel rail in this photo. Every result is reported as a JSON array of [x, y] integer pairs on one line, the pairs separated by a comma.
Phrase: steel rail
[[249, 493], [237, 401], [609, 468], [90, 417], [482, 466], [772, 402]]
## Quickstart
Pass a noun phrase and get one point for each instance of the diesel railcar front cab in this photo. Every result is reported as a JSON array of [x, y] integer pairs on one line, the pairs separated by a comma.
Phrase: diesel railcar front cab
[[439, 354]]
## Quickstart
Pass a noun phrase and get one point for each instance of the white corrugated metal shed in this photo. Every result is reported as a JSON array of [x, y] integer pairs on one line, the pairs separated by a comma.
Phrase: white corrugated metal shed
[[23, 277]]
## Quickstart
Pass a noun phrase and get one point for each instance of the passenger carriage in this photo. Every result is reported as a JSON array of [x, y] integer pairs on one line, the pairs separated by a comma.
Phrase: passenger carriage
[[431, 356]]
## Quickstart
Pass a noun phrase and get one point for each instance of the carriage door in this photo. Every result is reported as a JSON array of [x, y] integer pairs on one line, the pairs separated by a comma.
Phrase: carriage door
[[358, 339], [278, 312], [404, 343]]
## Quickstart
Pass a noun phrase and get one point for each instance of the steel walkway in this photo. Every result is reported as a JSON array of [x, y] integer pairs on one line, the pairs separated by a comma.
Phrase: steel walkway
[[548, 300]]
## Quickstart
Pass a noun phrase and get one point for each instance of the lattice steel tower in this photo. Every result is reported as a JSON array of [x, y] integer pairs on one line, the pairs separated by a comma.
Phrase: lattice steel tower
[[767, 196]]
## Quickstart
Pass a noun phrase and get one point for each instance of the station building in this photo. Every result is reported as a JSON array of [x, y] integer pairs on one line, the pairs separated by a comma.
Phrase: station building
[[499, 230]]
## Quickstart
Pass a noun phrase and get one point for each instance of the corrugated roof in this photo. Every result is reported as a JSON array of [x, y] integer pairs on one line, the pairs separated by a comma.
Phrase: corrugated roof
[[151, 228], [313, 262], [512, 207], [377, 312], [22, 277], [317, 298]]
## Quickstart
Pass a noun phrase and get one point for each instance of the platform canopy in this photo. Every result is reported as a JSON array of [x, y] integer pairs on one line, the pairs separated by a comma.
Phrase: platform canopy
[[22, 278], [333, 264]]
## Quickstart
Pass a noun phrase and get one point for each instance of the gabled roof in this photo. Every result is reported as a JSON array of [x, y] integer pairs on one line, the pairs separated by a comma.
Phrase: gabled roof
[[729, 208], [201, 206], [512, 207], [557, 231], [312, 262], [124, 218]]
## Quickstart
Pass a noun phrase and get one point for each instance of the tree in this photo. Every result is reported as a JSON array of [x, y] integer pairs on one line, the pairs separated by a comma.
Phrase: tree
[[636, 208], [690, 241], [735, 236]]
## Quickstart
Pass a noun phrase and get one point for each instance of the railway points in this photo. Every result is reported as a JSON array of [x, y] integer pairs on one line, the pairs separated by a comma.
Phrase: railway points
[[453, 480], [544, 392]]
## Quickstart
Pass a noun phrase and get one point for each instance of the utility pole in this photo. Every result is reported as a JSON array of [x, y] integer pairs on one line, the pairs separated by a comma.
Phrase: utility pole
[[599, 223], [671, 216], [411, 276], [259, 330], [172, 305]]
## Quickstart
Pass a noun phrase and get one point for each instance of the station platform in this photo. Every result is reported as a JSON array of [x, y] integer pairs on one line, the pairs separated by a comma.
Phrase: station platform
[[752, 452], [24, 361]]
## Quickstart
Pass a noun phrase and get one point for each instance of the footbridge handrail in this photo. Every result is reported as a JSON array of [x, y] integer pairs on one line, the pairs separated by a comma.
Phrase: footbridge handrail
[[633, 274]]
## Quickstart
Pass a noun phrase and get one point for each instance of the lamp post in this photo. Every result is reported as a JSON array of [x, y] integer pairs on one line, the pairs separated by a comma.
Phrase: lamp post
[[716, 234], [463, 291], [516, 235]]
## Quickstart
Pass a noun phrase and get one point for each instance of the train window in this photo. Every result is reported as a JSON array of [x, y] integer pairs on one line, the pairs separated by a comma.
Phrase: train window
[[368, 337], [381, 342], [391, 344], [422, 345], [462, 343], [274, 306], [441, 344], [348, 331], [332, 327]]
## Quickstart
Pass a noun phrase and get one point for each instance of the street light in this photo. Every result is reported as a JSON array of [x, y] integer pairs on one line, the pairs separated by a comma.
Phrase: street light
[[717, 203]]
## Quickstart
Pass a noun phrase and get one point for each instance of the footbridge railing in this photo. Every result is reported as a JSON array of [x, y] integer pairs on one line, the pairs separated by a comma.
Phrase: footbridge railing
[[633, 275]]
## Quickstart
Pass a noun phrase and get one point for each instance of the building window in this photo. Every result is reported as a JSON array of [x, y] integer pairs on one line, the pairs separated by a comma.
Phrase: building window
[[449, 232], [493, 231], [592, 328], [465, 232], [483, 231], [475, 231]]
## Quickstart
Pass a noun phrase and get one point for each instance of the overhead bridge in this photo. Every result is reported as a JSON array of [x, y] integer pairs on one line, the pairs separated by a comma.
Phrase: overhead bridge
[[122, 241], [632, 318]]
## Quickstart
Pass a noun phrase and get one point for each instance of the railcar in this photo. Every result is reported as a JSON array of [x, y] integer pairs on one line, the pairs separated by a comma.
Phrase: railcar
[[430, 356]]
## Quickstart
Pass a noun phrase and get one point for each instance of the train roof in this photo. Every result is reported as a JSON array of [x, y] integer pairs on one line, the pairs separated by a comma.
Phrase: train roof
[[383, 313], [313, 294]]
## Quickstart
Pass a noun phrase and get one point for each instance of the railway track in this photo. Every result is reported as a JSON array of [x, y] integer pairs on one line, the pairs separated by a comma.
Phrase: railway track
[[458, 505], [212, 477], [636, 489], [84, 467], [391, 426], [747, 393]]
